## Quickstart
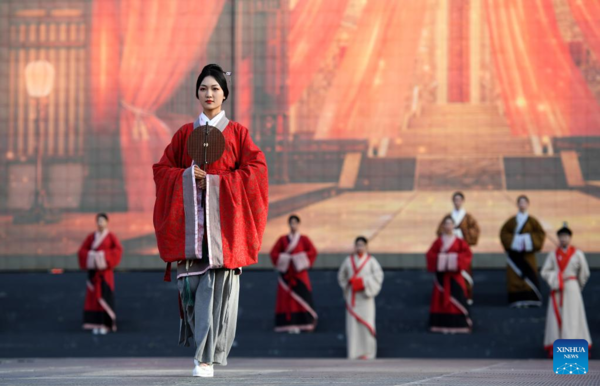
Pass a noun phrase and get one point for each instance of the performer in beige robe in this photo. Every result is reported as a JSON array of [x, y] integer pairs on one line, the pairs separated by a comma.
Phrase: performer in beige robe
[[566, 271], [360, 277], [522, 236], [465, 228]]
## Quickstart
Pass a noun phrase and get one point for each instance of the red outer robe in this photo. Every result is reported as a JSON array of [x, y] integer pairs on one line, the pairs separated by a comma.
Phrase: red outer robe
[[294, 303], [236, 203], [99, 306], [449, 311]]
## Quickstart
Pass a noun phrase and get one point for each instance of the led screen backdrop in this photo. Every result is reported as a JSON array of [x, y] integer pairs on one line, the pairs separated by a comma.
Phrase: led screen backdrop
[[370, 112]]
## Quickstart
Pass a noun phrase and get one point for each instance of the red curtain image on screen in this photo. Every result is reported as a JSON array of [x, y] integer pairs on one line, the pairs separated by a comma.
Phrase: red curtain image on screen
[[371, 114]]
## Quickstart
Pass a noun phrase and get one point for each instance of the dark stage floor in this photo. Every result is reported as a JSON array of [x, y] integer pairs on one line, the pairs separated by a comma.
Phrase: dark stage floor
[[41, 317]]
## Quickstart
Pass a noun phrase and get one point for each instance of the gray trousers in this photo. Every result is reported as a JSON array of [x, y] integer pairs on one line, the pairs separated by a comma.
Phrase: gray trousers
[[212, 319]]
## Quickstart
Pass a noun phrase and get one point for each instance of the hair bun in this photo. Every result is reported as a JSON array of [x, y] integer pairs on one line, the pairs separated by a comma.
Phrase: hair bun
[[216, 72]]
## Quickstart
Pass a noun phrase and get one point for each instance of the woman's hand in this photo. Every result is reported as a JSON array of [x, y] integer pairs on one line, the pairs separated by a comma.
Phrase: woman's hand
[[200, 176]]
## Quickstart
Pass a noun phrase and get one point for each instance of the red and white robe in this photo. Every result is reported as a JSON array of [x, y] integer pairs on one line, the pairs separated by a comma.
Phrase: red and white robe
[[566, 272], [449, 311], [467, 229], [230, 215], [360, 278], [99, 254], [293, 255]]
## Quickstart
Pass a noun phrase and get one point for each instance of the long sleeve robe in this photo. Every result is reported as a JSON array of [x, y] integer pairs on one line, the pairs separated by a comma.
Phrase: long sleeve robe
[[293, 256], [99, 254], [467, 229], [521, 273], [213, 233], [566, 272], [236, 202], [360, 305], [449, 311]]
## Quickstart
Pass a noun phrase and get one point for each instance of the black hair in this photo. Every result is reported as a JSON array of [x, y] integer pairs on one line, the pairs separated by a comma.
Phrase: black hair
[[448, 218], [361, 238], [293, 217], [524, 197], [102, 215], [216, 72], [458, 194]]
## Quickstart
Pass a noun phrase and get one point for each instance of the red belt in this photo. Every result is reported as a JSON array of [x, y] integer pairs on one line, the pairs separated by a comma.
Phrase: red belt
[[560, 290]]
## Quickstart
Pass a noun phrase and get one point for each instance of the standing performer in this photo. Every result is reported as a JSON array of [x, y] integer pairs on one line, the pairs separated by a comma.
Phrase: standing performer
[[447, 257], [360, 277], [566, 271], [467, 229], [99, 254], [211, 222], [292, 256], [522, 236]]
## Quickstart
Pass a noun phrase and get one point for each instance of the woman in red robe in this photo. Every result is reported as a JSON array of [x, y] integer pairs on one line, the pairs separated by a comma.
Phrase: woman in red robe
[[99, 254], [211, 223], [293, 255], [447, 257]]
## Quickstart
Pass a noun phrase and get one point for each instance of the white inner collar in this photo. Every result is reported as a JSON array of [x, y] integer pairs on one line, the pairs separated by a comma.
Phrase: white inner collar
[[211, 122]]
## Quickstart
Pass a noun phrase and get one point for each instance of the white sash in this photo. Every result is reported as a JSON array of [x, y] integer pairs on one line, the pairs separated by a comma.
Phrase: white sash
[[99, 238], [294, 239], [521, 221]]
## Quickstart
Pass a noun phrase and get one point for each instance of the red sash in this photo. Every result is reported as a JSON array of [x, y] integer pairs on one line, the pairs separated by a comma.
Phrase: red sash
[[562, 259], [350, 310], [356, 272]]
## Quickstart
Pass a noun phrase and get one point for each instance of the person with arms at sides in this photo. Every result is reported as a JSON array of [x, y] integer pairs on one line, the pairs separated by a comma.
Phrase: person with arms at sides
[[360, 277], [210, 222], [447, 257], [293, 255], [522, 236], [566, 271], [466, 228], [100, 254]]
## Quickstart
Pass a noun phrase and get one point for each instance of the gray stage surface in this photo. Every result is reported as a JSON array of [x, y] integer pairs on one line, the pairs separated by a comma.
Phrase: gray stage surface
[[176, 371]]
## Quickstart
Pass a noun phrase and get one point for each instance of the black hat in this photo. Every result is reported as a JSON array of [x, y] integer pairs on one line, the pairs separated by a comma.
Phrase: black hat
[[564, 230]]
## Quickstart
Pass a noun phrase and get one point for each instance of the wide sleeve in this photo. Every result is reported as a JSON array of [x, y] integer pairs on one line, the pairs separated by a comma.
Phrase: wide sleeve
[[432, 255], [550, 271], [280, 259], [465, 256], [507, 234], [82, 254], [169, 213], [584, 270], [306, 258], [243, 203], [374, 280], [538, 235], [474, 229], [344, 275], [113, 254], [276, 250]]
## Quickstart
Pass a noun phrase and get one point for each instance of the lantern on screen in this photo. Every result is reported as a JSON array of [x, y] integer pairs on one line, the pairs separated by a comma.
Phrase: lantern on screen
[[39, 78]]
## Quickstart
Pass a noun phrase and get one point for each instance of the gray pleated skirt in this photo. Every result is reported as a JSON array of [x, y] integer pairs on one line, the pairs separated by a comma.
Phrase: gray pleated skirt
[[210, 317]]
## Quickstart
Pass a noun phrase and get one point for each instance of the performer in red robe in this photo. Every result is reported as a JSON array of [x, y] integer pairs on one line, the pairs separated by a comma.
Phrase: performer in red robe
[[99, 254], [293, 255], [447, 257], [211, 223]]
